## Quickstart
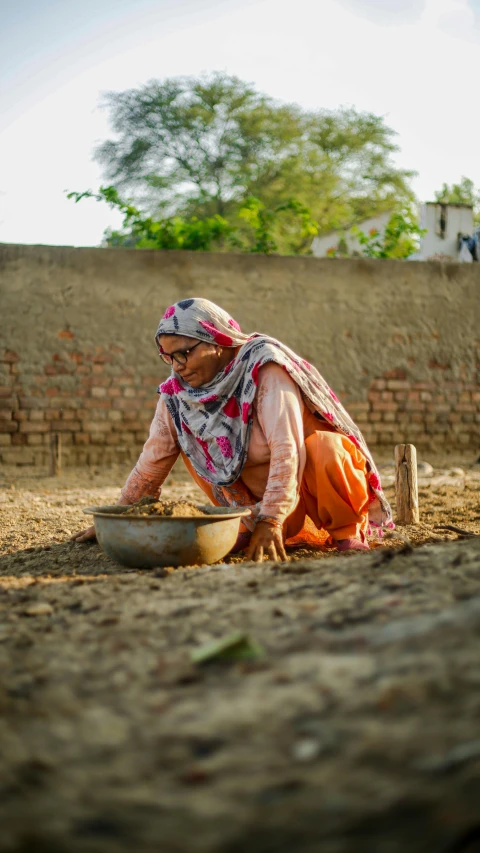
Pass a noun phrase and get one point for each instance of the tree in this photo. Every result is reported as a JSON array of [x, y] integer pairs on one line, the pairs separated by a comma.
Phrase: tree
[[461, 193], [255, 231], [203, 146]]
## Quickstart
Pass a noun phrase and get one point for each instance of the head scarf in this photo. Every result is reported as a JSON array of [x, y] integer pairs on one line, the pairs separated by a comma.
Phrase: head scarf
[[214, 422]]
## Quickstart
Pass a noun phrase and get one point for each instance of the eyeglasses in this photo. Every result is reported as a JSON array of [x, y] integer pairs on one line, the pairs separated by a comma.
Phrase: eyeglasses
[[180, 356]]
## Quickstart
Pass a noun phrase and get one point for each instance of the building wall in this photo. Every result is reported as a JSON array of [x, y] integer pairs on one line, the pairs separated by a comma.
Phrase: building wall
[[459, 220], [324, 242], [397, 341]]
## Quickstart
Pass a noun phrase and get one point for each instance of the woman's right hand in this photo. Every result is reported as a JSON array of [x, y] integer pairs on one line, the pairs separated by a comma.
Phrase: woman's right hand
[[87, 535]]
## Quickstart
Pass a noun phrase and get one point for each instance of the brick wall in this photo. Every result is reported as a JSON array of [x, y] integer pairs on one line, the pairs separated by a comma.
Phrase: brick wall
[[104, 419], [397, 341], [443, 416]]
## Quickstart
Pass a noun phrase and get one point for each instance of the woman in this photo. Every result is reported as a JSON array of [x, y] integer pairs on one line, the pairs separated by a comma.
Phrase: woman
[[257, 426]]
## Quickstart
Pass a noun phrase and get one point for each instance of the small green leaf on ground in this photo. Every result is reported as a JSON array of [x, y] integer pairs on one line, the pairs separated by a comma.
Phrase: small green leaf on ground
[[234, 647]]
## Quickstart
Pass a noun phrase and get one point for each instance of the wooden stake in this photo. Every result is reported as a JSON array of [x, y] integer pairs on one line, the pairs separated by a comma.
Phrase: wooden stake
[[55, 454], [406, 487]]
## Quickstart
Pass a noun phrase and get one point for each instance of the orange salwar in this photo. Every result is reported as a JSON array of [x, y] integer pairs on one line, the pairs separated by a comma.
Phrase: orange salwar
[[333, 492]]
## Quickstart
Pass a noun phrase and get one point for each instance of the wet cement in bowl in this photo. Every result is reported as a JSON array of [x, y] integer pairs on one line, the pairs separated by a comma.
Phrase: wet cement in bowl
[[166, 533], [174, 509]]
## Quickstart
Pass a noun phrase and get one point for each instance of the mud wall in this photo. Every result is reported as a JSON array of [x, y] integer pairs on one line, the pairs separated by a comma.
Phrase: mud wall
[[398, 341]]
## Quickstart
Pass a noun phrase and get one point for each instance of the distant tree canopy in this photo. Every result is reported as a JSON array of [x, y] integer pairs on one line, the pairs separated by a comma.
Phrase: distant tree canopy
[[462, 193], [201, 147]]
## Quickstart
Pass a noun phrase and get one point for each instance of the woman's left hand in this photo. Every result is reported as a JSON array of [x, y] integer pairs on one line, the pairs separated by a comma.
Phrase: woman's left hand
[[266, 541]]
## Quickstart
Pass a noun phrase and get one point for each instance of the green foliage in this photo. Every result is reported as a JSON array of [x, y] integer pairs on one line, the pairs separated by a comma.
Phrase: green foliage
[[203, 147], [254, 231], [399, 240], [461, 193]]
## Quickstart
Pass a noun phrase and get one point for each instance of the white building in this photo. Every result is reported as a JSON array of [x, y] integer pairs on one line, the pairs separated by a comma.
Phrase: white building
[[444, 224], [349, 243]]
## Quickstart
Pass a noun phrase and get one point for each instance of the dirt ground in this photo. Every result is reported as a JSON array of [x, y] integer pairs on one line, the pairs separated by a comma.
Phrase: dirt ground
[[357, 731]]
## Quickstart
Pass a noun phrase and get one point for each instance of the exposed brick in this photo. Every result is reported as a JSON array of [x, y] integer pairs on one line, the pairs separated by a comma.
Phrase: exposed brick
[[18, 456], [33, 438], [113, 438], [81, 438], [5, 439], [29, 426], [94, 427], [98, 391], [115, 415], [5, 390], [7, 414], [130, 392], [359, 407], [122, 380], [8, 426], [379, 384], [438, 407], [396, 373], [125, 403], [63, 403], [9, 404], [438, 365], [19, 439], [9, 356], [398, 385], [387, 396], [98, 438], [65, 426], [114, 392], [386, 407], [36, 415], [130, 425]]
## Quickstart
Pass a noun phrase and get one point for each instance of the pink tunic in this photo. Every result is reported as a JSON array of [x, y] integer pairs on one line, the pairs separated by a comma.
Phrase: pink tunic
[[276, 453]]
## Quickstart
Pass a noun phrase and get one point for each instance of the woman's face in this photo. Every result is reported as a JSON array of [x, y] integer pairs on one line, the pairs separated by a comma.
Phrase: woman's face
[[203, 363]]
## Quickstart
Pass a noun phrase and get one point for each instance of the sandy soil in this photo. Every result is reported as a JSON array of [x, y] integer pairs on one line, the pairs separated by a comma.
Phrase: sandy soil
[[357, 731]]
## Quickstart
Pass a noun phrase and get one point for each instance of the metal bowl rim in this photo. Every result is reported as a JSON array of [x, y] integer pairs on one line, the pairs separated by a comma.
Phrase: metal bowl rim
[[96, 511]]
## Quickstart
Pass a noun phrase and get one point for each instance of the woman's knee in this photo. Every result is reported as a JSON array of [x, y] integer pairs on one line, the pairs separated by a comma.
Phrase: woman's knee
[[327, 445]]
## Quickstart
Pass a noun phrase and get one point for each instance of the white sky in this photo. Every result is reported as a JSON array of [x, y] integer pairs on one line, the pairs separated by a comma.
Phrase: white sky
[[415, 62]]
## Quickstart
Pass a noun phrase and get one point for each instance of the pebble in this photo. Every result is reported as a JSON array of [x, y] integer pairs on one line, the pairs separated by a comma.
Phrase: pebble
[[40, 608], [425, 469], [306, 749], [456, 472]]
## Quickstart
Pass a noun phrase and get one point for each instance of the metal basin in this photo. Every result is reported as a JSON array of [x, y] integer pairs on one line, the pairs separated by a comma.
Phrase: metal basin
[[145, 541]]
